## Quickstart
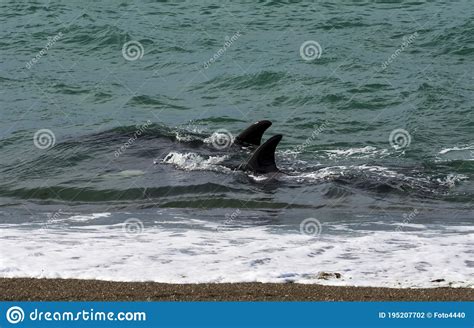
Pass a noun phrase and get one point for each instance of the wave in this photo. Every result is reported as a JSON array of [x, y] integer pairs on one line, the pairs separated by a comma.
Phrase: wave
[[92, 195], [198, 251], [358, 152], [457, 154], [77, 168], [156, 102], [261, 80], [454, 40]]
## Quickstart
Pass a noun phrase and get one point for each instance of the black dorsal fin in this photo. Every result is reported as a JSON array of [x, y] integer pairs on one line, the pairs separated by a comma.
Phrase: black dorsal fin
[[263, 158], [253, 134]]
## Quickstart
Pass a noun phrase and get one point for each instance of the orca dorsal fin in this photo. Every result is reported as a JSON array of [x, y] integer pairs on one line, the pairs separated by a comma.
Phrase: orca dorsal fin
[[263, 158], [253, 134]]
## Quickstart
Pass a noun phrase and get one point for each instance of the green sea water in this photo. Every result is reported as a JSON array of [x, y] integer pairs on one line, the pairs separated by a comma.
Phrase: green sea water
[[376, 115]]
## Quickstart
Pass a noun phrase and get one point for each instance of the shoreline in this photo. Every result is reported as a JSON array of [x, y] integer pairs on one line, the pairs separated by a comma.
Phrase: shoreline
[[32, 289]]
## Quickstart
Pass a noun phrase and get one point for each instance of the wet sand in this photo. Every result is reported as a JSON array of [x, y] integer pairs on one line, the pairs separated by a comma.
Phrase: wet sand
[[26, 289]]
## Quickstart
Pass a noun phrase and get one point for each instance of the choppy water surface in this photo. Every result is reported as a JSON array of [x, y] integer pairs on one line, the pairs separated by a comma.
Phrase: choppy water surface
[[110, 166]]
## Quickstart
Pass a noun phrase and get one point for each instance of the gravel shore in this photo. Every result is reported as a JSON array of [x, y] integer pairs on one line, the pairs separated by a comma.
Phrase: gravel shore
[[26, 289]]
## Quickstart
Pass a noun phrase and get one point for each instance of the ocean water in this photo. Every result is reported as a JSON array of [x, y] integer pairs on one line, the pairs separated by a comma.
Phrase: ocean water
[[116, 124]]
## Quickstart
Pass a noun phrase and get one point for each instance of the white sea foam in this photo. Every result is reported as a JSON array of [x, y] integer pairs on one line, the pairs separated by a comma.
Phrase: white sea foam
[[447, 150], [451, 179], [341, 170], [84, 218], [124, 174], [358, 152], [183, 137], [463, 153], [362, 152], [181, 255], [259, 178], [193, 161]]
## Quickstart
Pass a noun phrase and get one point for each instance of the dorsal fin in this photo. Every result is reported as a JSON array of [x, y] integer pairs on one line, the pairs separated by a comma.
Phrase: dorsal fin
[[263, 158], [253, 134]]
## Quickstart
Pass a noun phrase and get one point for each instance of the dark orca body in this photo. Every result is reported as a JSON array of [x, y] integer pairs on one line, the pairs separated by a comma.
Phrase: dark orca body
[[262, 160], [247, 153], [252, 136]]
